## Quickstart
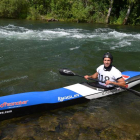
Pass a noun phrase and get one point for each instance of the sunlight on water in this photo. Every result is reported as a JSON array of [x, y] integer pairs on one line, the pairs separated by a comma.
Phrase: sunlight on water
[[111, 38], [31, 55], [13, 79], [24, 48], [74, 48]]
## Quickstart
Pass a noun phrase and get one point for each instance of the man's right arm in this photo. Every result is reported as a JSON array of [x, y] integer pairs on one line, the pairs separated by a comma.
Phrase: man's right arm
[[94, 76]]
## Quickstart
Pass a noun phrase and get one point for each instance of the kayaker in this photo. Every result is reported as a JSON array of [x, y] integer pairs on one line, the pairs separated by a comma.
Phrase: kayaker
[[108, 73]]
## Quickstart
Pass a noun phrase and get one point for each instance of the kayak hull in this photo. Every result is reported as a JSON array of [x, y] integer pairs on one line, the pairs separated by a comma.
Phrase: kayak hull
[[33, 102], [21, 111]]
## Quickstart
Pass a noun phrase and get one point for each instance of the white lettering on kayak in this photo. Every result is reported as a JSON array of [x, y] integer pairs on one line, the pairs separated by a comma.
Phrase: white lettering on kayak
[[112, 91], [61, 99], [5, 112]]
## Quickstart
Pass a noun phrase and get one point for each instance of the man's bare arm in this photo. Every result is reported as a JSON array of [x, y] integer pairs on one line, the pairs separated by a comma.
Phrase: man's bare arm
[[94, 76]]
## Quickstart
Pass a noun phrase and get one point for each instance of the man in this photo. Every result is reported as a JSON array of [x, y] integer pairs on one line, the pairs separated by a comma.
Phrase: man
[[108, 73]]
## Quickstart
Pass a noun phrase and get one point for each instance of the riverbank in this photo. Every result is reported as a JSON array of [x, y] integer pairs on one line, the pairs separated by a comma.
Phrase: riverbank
[[109, 12]]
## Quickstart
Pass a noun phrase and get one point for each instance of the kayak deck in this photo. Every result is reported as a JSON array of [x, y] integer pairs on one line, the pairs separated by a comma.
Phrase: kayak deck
[[30, 102]]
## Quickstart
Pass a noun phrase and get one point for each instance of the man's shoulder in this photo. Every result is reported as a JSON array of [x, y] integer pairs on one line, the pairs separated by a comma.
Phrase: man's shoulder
[[114, 69], [101, 66]]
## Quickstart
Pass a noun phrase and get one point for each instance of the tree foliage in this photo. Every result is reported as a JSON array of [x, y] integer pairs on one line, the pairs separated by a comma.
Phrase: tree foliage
[[13, 8], [75, 10]]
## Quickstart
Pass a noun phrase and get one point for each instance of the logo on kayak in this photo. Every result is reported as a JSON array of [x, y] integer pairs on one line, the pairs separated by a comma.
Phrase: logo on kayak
[[126, 86], [6, 112], [13, 104], [61, 99], [113, 91], [125, 77]]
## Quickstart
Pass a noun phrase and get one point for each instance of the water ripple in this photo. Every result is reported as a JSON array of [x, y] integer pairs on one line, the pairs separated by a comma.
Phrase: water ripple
[[111, 38], [13, 79]]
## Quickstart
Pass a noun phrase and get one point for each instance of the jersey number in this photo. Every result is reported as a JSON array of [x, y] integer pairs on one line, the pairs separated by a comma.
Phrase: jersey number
[[101, 78]]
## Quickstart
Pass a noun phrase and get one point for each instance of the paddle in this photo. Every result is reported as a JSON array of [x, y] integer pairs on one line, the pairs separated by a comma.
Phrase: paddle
[[68, 72]]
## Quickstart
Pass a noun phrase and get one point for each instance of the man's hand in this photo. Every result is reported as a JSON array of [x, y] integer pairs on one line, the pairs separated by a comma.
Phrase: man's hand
[[120, 82], [86, 77], [108, 82]]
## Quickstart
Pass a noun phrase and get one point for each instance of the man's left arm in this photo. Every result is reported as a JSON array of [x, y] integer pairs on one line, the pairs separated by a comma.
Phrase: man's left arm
[[120, 82]]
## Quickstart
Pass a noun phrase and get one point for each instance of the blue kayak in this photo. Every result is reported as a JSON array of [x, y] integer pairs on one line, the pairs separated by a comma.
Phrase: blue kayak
[[30, 102]]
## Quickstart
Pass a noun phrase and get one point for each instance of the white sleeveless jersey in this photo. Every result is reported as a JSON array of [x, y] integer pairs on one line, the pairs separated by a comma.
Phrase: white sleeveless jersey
[[113, 75]]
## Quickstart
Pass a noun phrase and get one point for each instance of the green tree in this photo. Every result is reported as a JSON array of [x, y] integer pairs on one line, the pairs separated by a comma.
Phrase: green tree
[[100, 11], [103, 11], [43, 6], [14, 8], [134, 18], [109, 11], [78, 11], [118, 12], [61, 8], [130, 4], [33, 14]]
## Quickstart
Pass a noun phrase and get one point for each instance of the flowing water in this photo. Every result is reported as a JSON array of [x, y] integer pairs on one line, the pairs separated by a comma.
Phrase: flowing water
[[32, 52]]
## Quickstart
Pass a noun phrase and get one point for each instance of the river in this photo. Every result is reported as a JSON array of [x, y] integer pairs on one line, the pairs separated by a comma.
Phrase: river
[[31, 54]]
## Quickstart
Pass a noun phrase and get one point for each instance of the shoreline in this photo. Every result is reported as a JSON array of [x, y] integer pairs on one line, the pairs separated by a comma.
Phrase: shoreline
[[52, 19]]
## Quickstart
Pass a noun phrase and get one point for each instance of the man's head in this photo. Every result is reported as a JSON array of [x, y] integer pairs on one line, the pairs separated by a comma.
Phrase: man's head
[[107, 59]]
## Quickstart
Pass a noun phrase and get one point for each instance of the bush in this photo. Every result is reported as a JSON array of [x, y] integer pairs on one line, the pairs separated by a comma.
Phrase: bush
[[13, 8], [121, 18], [33, 14], [78, 11]]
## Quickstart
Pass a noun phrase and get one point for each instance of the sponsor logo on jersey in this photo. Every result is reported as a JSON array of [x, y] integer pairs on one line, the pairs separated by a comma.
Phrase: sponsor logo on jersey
[[13, 104], [125, 77]]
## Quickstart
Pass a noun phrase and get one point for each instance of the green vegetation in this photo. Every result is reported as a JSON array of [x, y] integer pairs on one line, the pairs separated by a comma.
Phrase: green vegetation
[[103, 11]]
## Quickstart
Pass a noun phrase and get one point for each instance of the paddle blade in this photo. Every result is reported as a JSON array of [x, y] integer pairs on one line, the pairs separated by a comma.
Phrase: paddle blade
[[66, 72]]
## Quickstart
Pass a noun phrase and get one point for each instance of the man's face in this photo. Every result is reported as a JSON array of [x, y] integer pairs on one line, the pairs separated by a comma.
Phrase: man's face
[[107, 62]]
